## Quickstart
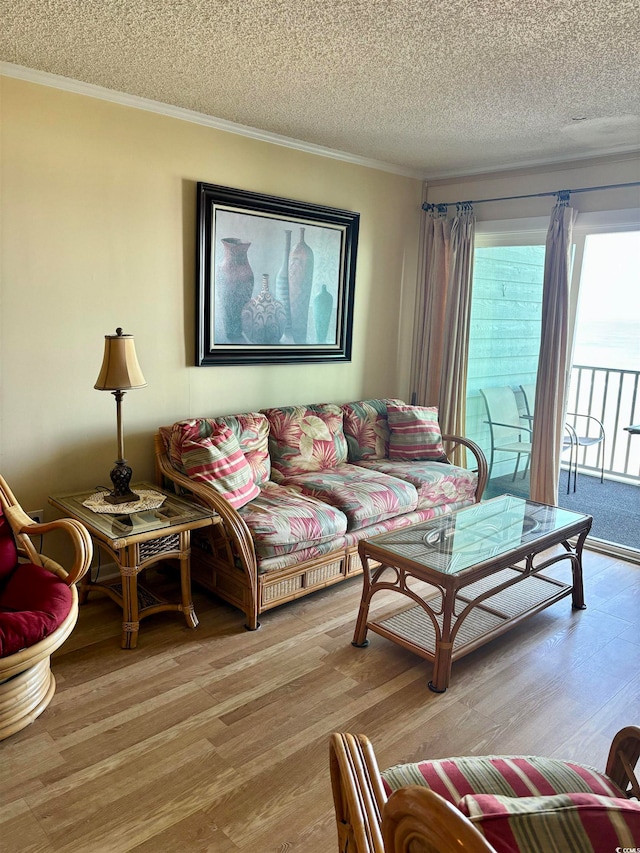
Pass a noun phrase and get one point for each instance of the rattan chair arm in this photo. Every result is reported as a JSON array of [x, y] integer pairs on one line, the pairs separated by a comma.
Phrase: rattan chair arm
[[416, 819], [481, 460], [358, 793], [25, 528], [623, 757]]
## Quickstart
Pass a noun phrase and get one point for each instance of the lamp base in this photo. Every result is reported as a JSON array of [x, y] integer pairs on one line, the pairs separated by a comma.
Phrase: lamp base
[[121, 477]]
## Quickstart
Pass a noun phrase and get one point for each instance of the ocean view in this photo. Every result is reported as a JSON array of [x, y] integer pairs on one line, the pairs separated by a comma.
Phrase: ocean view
[[615, 345], [608, 343]]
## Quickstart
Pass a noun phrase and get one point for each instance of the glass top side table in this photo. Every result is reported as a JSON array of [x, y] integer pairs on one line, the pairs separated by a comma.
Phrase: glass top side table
[[135, 541]]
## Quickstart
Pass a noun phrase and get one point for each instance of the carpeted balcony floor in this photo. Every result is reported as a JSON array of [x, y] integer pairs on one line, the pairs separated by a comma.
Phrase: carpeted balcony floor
[[615, 506]]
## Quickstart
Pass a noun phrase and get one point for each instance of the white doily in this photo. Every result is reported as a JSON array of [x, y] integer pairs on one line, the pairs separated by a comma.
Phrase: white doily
[[148, 500]]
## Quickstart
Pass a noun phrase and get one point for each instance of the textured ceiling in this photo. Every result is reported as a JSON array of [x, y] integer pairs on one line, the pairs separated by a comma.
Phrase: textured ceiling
[[436, 87]]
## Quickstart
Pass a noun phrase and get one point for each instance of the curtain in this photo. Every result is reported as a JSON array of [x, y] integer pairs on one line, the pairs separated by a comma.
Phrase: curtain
[[443, 307], [428, 333], [452, 400], [553, 366]]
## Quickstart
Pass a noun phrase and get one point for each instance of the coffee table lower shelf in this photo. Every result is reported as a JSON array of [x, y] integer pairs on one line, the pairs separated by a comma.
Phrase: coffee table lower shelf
[[487, 616]]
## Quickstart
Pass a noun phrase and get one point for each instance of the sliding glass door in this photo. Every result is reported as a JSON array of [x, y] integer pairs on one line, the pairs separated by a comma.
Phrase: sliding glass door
[[605, 386], [604, 382]]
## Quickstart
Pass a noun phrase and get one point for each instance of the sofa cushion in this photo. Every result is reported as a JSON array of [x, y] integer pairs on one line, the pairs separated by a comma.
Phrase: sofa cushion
[[217, 460], [282, 520], [297, 583], [414, 433], [364, 496], [251, 429], [555, 824], [352, 537], [306, 438], [509, 776], [436, 482], [366, 428], [33, 603]]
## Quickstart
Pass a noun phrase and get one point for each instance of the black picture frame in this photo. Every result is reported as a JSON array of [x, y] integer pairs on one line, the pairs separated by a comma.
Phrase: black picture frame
[[303, 312]]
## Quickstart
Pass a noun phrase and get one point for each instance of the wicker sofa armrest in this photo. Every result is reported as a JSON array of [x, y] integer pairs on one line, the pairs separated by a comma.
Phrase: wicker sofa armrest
[[481, 466], [236, 531]]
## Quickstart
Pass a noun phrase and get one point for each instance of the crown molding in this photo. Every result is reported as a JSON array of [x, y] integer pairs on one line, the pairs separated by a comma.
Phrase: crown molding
[[77, 87], [90, 90]]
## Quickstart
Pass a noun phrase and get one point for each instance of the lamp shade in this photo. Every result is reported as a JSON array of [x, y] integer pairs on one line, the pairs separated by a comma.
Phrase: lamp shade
[[120, 370]]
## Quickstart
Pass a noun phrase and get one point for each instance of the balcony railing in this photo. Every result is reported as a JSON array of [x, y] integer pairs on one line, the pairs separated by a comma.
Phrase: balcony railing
[[613, 397]]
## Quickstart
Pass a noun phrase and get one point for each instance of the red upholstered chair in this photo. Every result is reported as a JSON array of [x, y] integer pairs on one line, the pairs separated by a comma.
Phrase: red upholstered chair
[[490, 804], [38, 610]]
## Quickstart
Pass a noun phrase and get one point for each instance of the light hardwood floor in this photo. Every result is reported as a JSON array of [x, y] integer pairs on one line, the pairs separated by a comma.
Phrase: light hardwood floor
[[217, 739]]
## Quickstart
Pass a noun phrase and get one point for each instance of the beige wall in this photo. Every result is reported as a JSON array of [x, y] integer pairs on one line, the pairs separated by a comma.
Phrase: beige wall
[[98, 231]]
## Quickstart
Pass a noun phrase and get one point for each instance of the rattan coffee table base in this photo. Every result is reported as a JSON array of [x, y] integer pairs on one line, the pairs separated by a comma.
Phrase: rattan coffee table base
[[475, 601], [415, 629]]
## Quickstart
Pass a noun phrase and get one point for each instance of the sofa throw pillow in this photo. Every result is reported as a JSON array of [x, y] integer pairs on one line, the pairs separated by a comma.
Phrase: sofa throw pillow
[[217, 460], [250, 428], [414, 433], [554, 824], [252, 431]]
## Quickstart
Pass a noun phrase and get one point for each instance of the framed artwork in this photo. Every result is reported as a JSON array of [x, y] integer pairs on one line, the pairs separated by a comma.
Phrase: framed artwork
[[276, 279]]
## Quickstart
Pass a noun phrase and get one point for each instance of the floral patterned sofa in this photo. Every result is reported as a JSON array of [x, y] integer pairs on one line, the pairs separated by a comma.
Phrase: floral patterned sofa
[[297, 487]]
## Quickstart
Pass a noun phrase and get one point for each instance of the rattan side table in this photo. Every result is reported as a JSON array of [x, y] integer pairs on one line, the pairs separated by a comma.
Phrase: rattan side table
[[136, 541]]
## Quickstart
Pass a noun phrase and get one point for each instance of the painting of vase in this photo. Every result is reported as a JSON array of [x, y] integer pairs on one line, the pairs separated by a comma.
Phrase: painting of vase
[[300, 283], [263, 317], [298, 307], [282, 283], [234, 285], [322, 307]]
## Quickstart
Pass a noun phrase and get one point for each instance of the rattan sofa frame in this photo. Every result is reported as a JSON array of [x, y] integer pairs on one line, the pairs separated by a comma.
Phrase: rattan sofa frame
[[224, 557]]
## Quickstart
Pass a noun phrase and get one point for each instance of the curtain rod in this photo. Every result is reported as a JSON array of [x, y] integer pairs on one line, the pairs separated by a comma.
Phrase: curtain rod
[[560, 193]]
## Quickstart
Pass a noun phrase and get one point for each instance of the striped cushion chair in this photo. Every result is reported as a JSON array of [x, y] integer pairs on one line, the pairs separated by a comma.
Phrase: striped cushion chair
[[508, 804]]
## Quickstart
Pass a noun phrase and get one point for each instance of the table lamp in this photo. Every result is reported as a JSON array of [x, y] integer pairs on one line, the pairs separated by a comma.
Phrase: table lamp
[[120, 372]]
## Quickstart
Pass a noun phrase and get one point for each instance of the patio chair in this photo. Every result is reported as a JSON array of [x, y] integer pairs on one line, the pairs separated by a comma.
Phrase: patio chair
[[592, 428], [484, 804], [508, 432], [585, 438]]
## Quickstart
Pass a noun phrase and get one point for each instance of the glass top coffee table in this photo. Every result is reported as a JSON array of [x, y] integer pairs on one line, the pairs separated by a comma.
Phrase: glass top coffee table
[[482, 561]]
